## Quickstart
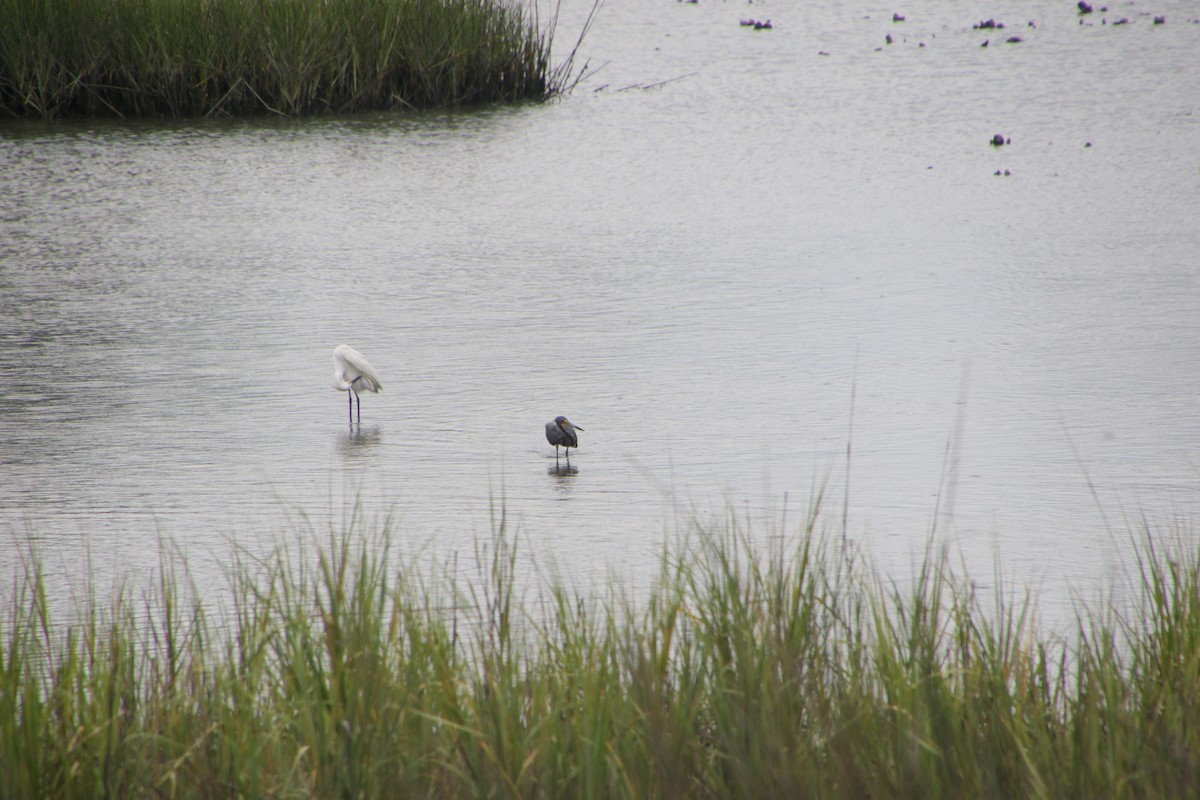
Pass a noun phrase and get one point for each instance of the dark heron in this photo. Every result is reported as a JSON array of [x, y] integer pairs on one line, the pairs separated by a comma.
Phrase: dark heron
[[352, 373], [562, 432]]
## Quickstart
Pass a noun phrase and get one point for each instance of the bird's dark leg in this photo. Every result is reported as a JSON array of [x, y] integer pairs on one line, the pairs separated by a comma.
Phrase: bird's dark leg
[[351, 402], [356, 400]]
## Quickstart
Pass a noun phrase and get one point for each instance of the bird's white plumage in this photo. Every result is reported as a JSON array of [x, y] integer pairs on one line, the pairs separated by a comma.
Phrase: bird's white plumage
[[352, 371]]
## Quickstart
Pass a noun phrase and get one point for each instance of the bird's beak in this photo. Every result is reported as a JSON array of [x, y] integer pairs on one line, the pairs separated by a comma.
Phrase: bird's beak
[[576, 427]]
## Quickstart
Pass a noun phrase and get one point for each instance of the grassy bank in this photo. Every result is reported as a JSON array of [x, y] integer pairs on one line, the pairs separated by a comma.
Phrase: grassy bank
[[178, 58], [787, 672]]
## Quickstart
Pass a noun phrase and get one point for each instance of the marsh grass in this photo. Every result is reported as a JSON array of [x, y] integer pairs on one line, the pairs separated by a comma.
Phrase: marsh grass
[[189, 58], [748, 670]]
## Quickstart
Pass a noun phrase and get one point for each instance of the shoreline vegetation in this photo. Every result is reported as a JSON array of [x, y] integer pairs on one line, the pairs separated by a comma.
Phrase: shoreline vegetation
[[784, 669], [204, 58]]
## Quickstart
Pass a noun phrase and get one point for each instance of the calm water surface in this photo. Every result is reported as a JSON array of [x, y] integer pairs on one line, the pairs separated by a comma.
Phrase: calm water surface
[[720, 249]]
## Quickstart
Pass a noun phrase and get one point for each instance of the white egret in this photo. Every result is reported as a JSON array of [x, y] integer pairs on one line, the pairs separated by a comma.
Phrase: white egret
[[352, 373], [562, 432]]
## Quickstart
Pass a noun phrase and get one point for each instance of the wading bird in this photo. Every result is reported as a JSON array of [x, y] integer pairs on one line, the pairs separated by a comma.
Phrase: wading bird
[[562, 432], [352, 373]]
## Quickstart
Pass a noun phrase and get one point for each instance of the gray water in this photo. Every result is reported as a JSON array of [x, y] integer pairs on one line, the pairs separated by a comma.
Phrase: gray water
[[755, 266]]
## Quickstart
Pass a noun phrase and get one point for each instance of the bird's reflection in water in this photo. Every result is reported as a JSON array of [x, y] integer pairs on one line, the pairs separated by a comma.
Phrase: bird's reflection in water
[[563, 474], [359, 441]]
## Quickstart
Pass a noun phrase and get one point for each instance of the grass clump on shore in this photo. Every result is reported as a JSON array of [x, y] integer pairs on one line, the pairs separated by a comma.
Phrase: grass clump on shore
[[189, 58], [747, 672]]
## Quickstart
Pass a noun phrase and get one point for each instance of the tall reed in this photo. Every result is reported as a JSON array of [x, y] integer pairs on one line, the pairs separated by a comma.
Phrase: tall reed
[[234, 57], [748, 670]]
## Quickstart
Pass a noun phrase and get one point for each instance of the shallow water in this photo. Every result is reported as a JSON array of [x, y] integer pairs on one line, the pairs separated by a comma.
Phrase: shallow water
[[732, 256]]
